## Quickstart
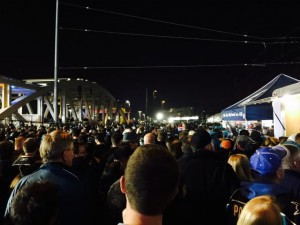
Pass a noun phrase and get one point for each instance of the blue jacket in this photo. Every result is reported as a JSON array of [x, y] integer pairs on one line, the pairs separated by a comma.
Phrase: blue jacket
[[71, 193], [250, 190]]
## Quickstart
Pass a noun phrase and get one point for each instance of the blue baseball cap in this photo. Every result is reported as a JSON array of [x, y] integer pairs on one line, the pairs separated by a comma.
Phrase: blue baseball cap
[[265, 161]]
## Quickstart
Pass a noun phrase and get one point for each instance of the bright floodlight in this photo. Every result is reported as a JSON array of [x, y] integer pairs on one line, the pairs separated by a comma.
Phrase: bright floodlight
[[159, 116]]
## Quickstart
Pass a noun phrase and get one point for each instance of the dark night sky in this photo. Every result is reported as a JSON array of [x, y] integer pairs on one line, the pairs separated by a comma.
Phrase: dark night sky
[[185, 69]]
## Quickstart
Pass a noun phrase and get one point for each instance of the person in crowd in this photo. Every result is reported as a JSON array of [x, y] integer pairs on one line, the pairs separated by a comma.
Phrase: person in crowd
[[161, 138], [225, 148], [297, 138], [241, 165], [116, 203], [261, 210], [18, 150], [240, 144], [150, 183], [271, 141], [208, 179], [175, 148], [254, 143], [268, 173], [7, 174], [35, 204], [30, 160], [291, 166], [282, 139], [186, 148], [56, 150], [149, 138]]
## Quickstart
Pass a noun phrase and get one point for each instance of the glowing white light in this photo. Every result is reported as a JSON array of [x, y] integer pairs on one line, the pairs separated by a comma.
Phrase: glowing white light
[[159, 116]]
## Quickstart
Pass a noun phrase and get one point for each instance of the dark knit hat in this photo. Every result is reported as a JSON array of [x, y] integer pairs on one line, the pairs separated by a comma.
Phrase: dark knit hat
[[256, 137], [200, 139]]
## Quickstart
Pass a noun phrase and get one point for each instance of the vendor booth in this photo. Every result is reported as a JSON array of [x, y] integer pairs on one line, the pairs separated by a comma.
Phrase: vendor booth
[[286, 105], [258, 105]]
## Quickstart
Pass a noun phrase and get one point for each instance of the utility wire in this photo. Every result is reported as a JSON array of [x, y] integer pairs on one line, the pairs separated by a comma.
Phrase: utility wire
[[154, 67], [161, 21], [179, 66], [175, 37]]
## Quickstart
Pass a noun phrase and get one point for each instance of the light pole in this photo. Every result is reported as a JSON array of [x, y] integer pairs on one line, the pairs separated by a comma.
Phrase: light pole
[[128, 109], [153, 103], [162, 104]]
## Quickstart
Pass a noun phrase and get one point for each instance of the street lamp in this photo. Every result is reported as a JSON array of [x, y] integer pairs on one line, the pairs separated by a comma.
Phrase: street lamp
[[140, 115], [162, 104], [128, 110], [153, 101]]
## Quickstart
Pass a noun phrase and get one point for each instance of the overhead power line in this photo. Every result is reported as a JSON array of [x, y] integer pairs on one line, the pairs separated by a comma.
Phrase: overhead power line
[[159, 36], [176, 66], [160, 21]]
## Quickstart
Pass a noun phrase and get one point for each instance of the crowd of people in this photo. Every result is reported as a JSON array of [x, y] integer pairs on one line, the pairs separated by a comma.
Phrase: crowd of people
[[155, 174]]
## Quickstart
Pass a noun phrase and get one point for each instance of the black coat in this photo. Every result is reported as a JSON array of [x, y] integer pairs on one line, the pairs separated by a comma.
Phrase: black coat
[[209, 183]]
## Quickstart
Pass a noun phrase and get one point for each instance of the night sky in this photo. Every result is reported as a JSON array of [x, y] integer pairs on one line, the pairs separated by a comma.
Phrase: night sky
[[192, 54]]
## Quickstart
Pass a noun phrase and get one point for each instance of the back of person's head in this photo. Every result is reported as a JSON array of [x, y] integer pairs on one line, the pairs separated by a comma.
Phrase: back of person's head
[[30, 145], [271, 141], [200, 139], [256, 137], [297, 138], [266, 162], [162, 135], [261, 210], [175, 148], [186, 144], [19, 142], [116, 138], [282, 139], [149, 138], [241, 166], [244, 132], [35, 204], [151, 179], [292, 160], [241, 141], [54, 144]]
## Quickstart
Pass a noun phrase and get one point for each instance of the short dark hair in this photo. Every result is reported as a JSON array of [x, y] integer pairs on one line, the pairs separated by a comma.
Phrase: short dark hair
[[36, 203], [151, 179]]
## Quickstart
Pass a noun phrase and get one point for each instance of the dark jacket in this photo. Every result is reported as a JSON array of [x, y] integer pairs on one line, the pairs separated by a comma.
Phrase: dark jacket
[[251, 190], [291, 182], [209, 183], [72, 203]]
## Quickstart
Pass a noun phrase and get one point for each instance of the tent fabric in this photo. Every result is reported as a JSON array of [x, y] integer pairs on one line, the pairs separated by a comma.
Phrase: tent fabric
[[246, 109]]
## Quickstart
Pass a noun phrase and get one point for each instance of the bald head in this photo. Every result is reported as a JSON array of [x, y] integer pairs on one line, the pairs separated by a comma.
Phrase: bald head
[[149, 139]]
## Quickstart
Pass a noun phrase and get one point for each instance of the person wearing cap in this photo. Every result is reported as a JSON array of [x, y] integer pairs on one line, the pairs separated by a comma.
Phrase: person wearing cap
[[268, 173], [240, 144], [208, 180], [254, 143], [291, 166]]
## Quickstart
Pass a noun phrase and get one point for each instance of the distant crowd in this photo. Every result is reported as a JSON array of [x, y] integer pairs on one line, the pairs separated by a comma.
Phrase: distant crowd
[[184, 173]]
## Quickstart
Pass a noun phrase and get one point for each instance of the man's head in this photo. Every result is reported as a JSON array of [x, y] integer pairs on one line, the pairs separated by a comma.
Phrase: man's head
[[151, 180], [149, 139], [267, 163], [36, 203], [201, 139], [57, 146], [292, 160], [30, 145]]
